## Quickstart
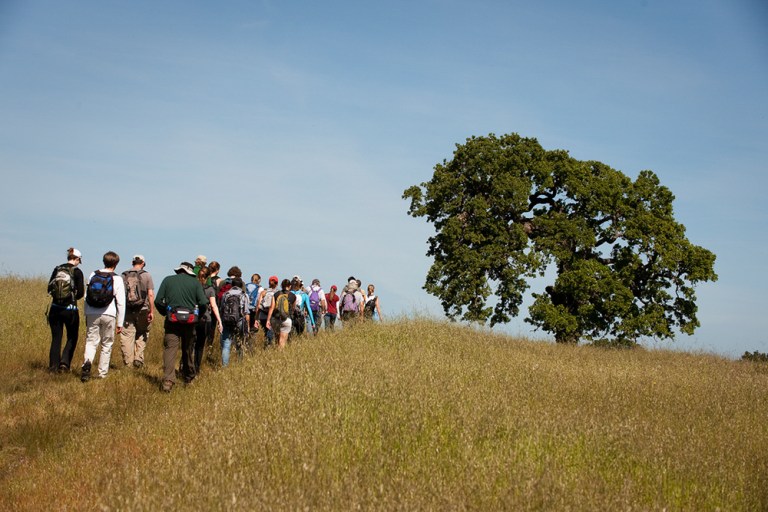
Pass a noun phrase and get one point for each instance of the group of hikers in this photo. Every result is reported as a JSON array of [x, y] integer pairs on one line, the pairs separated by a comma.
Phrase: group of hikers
[[196, 303]]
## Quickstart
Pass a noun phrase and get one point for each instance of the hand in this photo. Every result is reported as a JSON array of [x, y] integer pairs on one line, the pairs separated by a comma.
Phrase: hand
[[119, 330], [220, 327], [150, 316]]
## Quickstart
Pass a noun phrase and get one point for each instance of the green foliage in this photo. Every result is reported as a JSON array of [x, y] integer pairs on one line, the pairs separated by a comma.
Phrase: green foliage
[[757, 357], [505, 210]]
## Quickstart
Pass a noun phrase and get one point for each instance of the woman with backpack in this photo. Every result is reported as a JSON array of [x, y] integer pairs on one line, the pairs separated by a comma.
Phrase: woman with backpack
[[204, 332], [279, 314], [371, 307], [66, 287]]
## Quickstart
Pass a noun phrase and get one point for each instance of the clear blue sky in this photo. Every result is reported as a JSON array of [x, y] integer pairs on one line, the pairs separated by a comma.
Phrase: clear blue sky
[[279, 136]]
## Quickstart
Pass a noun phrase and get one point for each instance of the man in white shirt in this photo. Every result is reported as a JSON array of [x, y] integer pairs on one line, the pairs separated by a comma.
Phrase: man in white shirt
[[104, 314]]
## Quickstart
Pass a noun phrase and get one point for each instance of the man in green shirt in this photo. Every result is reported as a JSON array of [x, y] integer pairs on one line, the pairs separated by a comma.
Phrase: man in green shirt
[[180, 299]]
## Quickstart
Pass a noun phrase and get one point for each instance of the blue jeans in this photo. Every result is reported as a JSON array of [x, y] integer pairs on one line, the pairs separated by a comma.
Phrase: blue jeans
[[228, 335]]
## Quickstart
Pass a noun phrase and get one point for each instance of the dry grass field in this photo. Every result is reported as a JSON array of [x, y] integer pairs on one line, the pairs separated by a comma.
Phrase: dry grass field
[[407, 415]]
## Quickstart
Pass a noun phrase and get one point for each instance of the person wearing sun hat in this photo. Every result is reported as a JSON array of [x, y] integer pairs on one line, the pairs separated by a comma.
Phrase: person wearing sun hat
[[200, 262], [181, 300], [66, 286]]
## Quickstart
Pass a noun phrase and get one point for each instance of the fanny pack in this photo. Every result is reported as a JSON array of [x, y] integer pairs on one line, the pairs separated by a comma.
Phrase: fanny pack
[[182, 315]]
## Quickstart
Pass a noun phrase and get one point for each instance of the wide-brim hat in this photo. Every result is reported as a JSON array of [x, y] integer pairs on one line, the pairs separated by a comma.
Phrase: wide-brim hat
[[185, 266]]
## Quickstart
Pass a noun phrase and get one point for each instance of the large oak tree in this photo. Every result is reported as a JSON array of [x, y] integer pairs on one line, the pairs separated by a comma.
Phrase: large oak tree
[[505, 210]]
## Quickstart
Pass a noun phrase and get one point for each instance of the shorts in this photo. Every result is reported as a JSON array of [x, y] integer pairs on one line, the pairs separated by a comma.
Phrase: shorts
[[285, 327]]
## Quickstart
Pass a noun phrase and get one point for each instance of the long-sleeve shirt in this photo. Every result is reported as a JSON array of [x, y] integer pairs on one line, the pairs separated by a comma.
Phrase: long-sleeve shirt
[[115, 308], [180, 290]]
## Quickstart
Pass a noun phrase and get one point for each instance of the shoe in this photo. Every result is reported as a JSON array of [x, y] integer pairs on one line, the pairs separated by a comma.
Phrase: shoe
[[138, 364], [63, 368], [85, 372], [167, 386]]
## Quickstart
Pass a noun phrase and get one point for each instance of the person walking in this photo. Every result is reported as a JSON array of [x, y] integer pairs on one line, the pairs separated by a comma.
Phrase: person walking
[[235, 319], [104, 315], [279, 314], [372, 309], [332, 302], [139, 312], [180, 299], [265, 300], [66, 286], [207, 323], [302, 310], [317, 303]]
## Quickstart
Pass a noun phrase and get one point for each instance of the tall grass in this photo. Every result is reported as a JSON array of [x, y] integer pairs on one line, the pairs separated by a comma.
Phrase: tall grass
[[414, 414]]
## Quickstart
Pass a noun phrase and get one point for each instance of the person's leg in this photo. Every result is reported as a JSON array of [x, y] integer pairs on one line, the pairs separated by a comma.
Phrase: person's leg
[[269, 334], [200, 338], [56, 322], [72, 324], [226, 345], [128, 339], [107, 334], [188, 353], [171, 342], [91, 344], [142, 335]]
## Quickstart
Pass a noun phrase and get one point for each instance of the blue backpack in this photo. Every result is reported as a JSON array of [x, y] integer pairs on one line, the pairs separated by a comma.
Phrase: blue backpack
[[101, 290], [253, 291]]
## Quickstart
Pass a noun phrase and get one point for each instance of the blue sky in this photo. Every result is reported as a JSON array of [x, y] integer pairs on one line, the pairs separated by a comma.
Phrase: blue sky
[[279, 136]]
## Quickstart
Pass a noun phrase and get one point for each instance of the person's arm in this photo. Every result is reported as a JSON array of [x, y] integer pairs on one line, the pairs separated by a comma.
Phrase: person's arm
[[269, 313], [160, 305], [151, 302], [378, 309], [79, 284], [119, 302], [215, 311]]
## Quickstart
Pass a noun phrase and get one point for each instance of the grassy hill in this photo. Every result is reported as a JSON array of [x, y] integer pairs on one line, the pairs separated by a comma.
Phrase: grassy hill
[[414, 414]]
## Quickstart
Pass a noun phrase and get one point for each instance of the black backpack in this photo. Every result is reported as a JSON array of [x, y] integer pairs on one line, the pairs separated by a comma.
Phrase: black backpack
[[101, 289], [61, 287], [230, 310], [370, 307], [298, 322]]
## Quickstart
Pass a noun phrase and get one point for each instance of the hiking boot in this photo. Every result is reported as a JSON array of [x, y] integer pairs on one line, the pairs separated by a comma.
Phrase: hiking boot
[[85, 372], [167, 386], [138, 364], [63, 368]]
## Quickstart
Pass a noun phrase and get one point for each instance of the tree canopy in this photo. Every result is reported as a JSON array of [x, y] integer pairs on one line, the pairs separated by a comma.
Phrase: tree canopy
[[506, 210]]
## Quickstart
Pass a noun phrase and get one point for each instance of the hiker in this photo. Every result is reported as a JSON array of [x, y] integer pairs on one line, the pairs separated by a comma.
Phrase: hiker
[[66, 286], [226, 283], [199, 263], [279, 314], [351, 302], [317, 303], [332, 301], [264, 301], [104, 314], [139, 312], [371, 309], [235, 319], [208, 321], [253, 289], [213, 278], [180, 299], [302, 311]]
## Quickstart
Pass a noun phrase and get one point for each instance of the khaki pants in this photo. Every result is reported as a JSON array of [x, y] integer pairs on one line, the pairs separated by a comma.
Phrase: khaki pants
[[133, 338], [178, 335]]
